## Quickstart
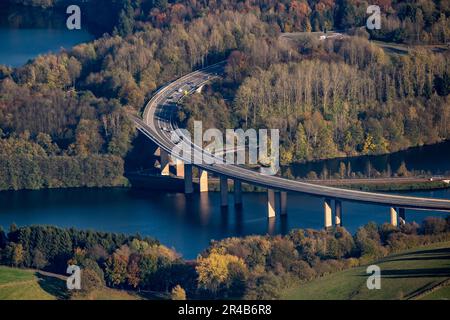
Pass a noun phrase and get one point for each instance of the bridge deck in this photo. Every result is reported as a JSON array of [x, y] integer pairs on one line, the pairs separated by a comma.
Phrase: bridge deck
[[158, 123]]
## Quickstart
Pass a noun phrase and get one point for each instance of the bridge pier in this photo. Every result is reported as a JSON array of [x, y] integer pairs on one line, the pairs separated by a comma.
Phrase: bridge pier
[[237, 188], [402, 215], [203, 181], [161, 98], [165, 162], [283, 203], [188, 186], [223, 191], [199, 89], [270, 203], [328, 220], [394, 216], [338, 213], [180, 168]]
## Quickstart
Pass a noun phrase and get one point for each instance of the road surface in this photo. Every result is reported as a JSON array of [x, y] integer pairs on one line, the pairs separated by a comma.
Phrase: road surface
[[158, 122]]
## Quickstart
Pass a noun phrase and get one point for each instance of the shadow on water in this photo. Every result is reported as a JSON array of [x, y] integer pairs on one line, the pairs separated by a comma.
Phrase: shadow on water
[[431, 159], [185, 222], [28, 17], [27, 32]]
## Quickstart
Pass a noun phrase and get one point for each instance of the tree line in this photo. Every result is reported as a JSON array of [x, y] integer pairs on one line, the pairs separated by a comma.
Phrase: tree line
[[79, 99], [403, 21], [331, 99], [352, 100], [261, 267], [27, 164], [253, 267]]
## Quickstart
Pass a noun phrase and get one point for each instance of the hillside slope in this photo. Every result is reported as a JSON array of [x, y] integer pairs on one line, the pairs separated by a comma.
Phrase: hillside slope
[[403, 276]]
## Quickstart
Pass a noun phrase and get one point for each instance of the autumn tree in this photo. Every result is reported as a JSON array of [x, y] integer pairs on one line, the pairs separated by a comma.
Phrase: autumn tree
[[133, 271], [178, 293], [88, 139], [116, 266], [13, 254], [214, 270]]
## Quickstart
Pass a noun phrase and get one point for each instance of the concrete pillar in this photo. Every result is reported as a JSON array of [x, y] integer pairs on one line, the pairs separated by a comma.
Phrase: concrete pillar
[[270, 203], [271, 226], [402, 215], [338, 212], [328, 220], [199, 89], [223, 191], [203, 175], [180, 168], [237, 193], [283, 203], [188, 187], [394, 218], [165, 163]]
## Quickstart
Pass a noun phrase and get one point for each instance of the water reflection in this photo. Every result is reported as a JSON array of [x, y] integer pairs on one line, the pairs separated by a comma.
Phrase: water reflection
[[284, 224], [186, 222], [224, 222], [431, 159], [29, 17], [26, 32], [239, 219], [271, 226]]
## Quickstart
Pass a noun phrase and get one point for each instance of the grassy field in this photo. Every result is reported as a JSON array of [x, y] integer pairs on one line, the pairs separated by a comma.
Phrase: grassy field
[[110, 294], [20, 284], [402, 277], [27, 285], [440, 294]]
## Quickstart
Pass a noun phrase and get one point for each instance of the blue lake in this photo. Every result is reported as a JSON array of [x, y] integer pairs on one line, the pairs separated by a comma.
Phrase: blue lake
[[26, 32], [17, 46], [187, 223]]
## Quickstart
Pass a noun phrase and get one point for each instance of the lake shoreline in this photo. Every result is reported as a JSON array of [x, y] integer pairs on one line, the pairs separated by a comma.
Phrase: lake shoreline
[[29, 32], [410, 149], [176, 184], [427, 160], [54, 17], [186, 222]]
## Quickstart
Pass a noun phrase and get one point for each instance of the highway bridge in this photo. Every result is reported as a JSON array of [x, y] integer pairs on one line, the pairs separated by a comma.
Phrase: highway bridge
[[159, 122]]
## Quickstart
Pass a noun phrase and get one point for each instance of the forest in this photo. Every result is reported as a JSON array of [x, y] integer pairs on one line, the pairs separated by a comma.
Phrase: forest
[[341, 98], [333, 98], [412, 21], [253, 267]]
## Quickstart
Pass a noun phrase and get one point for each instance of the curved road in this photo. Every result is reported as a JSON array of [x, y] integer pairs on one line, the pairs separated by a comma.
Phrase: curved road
[[158, 124]]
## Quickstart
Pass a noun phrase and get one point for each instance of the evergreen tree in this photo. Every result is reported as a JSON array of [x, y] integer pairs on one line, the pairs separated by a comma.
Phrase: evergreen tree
[[126, 20]]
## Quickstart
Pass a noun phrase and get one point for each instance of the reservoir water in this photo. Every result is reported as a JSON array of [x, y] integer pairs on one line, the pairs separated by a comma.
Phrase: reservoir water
[[27, 32], [428, 160], [187, 223]]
